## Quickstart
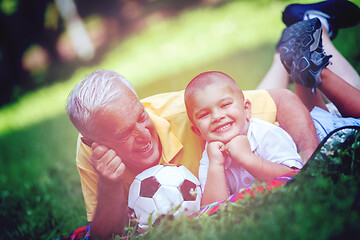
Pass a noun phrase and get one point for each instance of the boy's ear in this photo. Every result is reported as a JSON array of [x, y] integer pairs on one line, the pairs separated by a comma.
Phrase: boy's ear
[[87, 141], [195, 130], [247, 109]]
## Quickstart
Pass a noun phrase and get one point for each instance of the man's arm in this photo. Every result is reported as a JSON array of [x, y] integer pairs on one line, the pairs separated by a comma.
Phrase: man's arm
[[110, 214], [295, 119]]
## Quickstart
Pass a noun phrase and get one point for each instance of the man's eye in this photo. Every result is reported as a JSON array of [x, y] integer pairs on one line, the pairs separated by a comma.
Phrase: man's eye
[[142, 117], [124, 136]]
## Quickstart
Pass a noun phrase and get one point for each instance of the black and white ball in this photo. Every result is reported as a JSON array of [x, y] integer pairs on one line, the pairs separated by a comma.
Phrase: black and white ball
[[162, 190]]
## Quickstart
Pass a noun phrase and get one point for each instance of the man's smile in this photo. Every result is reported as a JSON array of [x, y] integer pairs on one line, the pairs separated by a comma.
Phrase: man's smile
[[146, 148]]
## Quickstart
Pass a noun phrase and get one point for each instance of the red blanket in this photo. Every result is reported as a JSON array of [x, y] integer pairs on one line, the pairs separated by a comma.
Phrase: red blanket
[[83, 233]]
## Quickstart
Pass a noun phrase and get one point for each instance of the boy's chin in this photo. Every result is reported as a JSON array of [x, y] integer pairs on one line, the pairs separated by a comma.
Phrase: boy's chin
[[224, 140]]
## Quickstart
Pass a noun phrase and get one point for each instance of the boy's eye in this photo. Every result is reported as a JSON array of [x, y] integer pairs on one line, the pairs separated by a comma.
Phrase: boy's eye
[[203, 115], [225, 104]]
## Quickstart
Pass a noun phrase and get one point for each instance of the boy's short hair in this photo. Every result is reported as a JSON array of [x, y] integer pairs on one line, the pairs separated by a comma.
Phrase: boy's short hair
[[203, 80]]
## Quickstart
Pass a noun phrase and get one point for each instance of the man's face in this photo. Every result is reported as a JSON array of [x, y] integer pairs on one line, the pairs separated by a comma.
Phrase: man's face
[[220, 113], [125, 127]]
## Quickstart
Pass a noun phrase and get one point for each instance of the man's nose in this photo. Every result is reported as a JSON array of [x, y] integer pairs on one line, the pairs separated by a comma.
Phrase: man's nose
[[142, 133]]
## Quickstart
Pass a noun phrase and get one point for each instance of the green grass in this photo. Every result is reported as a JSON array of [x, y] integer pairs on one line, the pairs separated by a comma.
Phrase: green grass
[[321, 202], [40, 195], [40, 190]]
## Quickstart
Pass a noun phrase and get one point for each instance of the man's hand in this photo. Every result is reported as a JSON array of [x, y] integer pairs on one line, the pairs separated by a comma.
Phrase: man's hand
[[107, 164], [239, 148], [110, 215]]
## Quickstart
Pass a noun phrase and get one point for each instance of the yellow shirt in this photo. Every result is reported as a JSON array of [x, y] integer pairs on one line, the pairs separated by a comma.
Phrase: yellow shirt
[[180, 146]]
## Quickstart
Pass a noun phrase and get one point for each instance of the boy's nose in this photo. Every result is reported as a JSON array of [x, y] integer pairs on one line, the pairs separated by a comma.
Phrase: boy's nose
[[217, 116]]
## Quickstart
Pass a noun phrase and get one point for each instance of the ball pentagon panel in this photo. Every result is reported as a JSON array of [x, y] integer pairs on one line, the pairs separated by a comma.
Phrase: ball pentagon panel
[[148, 187]]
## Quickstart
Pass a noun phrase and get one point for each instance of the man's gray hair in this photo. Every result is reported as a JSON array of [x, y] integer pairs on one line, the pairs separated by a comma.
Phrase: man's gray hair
[[92, 93]]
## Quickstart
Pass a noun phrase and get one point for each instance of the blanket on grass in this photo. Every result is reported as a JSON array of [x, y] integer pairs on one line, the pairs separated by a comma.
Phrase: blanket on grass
[[326, 160]]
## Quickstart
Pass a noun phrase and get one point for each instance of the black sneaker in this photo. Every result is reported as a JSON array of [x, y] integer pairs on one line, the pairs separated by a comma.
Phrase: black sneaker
[[339, 13], [302, 53]]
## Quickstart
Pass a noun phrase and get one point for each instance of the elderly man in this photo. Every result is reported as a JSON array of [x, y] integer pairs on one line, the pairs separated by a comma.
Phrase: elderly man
[[120, 136]]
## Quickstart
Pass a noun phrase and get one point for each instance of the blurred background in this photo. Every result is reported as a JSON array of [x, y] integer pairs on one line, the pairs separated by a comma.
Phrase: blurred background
[[47, 46]]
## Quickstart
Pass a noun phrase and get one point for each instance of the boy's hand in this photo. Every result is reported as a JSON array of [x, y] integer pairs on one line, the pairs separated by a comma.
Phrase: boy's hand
[[107, 164], [239, 148], [215, 152]]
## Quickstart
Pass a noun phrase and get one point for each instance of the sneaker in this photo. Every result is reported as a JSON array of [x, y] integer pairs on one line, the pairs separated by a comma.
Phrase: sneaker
[[339, 13], [290, 40], [302, 53]]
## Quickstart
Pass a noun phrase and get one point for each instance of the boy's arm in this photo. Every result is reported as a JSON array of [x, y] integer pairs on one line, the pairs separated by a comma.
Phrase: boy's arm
[[215, 187], [239, 149], [264, 170]]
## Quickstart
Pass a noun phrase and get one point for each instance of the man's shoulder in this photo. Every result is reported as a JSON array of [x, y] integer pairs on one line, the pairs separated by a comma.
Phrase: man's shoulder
[[165, 104], [256, 94], [262, 105]]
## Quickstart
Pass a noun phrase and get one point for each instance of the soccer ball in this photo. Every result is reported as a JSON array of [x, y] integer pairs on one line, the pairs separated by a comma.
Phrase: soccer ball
[[163, 190]]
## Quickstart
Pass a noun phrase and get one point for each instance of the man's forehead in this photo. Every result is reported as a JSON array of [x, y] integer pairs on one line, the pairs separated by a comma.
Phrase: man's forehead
[[127, 105], [117, 117]]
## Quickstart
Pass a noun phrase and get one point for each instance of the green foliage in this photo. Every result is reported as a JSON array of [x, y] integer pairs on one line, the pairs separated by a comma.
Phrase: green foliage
[[322, 202], [175, 50], [8, 7], [345, 44]]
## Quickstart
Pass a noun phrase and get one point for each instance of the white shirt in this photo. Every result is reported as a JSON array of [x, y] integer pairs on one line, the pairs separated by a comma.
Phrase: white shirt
[[267, 141]]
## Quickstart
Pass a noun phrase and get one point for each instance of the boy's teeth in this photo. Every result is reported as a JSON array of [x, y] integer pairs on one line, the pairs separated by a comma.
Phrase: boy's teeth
[[223, 127]]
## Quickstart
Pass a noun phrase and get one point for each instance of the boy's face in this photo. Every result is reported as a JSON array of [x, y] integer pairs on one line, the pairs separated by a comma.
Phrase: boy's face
[[220, 113]]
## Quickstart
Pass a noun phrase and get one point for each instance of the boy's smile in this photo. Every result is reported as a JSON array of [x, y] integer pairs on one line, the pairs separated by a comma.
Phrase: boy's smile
[[223, 128], [220, 113]]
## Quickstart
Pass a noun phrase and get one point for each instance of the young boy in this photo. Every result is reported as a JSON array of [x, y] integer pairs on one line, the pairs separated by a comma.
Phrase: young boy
[[239, 148]]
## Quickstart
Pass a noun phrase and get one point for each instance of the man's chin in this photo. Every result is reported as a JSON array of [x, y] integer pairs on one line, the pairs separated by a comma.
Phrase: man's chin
[[143, 167], [147, 163]]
